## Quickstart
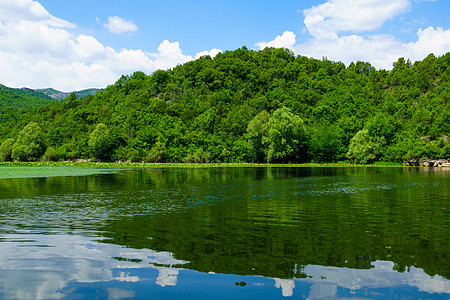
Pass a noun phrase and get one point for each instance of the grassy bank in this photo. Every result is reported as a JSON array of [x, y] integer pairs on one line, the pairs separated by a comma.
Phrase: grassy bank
[[122, 165]]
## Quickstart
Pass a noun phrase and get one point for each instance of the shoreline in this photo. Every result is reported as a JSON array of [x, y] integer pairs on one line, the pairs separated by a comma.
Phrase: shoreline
[[121, 165]]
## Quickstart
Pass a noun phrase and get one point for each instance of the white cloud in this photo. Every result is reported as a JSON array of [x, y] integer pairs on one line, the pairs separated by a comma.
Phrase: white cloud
[[119, 25], [326, 20], [169, 54], [28, 10], [380, 50], [430, 40], [286, 40], [38, 50], [212, 53], [89, 48]]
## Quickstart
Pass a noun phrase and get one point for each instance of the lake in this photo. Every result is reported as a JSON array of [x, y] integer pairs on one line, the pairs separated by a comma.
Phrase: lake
[[227, 233]]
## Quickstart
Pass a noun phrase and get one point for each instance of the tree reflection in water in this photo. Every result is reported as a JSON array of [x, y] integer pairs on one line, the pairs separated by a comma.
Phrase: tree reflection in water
[[308, 232]]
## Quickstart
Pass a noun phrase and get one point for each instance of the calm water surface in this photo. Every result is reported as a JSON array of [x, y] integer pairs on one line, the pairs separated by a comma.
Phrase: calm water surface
[[227, 233]]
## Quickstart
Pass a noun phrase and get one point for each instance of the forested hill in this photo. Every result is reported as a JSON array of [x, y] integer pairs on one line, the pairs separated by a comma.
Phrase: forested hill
[[11, 98], [248, 106], [16, 101]]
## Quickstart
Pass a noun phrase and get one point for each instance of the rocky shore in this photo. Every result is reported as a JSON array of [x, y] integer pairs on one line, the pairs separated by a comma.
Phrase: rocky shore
[[426, 162]]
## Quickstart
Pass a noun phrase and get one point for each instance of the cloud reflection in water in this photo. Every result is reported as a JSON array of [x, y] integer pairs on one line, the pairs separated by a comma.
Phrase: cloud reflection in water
[[48, 266]]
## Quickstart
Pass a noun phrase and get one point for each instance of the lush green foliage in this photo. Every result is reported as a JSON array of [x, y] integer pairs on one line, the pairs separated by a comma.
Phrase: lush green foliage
[[21, 98], [6, 149], [100, 140], [364, 148], [285, 137], [255, 132], [29, 145], [255, 106], [13, 102]]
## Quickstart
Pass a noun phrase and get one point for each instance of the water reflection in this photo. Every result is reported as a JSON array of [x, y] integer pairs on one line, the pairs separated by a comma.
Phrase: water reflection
[[167, 276], [41, 266], [277, 232], [381, 276], [287, 286], [70, 262]]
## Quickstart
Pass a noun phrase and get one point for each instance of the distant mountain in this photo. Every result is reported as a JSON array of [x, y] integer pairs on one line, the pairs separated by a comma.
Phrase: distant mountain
[[50, 92], [20, 99], [23, 98], [58, 95]]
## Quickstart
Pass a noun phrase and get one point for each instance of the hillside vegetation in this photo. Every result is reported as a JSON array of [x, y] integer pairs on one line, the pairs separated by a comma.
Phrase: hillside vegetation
[[19, 99], [248, 106], [14, 102]]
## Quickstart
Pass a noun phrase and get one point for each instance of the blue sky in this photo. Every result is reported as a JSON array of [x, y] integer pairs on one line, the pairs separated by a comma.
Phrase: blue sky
[[197, 25], [77, 44]]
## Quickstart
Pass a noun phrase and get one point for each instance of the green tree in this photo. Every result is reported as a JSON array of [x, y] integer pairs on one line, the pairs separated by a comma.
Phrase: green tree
[[326, 144], [6, 150], [198, 156], [209, 104], [285, 138], [364, 148], [255, 132], [156, 154], [100, 141], [29, 145]]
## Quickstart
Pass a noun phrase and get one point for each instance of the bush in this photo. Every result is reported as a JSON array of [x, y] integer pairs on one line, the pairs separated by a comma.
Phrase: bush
[[51, 154], [326, 144], [285, 137], [255, 132], [156, 154], [29, 145], [364, 148], [6, 150], [199, 156], [100, 141]]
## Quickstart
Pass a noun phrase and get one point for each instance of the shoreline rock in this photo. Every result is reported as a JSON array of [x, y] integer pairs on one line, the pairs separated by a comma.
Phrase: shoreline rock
[[426, 162]]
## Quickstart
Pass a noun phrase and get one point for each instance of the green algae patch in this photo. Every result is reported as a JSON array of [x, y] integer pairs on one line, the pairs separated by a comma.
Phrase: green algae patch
[[48, 171], [67, 168]]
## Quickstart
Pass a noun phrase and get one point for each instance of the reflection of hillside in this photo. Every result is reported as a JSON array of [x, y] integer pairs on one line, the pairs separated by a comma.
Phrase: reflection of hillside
[[273, 222], [251, 221], [69, 265]]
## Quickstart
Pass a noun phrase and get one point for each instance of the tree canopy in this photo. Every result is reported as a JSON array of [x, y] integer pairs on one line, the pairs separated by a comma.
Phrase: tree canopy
[[252, 106]]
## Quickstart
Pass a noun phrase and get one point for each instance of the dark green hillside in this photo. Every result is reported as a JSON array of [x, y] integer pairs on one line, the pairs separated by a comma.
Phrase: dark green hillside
[[14, 102], [21, 98], [251, 106], [84, 93]]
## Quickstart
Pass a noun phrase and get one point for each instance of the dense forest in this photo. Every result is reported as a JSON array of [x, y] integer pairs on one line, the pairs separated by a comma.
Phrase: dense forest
[[16, 101], [247, 106]]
